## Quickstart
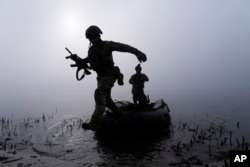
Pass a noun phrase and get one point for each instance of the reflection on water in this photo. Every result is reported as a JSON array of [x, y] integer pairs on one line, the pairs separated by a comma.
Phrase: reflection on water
[[205, 127], [66, 140], [138, 151], [61, 137]]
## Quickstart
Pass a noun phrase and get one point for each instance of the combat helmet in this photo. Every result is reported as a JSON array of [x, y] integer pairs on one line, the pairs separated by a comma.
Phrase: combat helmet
[[138, 67], [93, 31]]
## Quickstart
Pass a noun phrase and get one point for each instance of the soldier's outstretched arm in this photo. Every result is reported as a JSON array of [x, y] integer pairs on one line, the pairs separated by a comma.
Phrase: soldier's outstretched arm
[[116, 46]]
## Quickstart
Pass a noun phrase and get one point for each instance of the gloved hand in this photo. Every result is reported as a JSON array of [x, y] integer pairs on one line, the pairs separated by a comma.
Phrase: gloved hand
[[141, 57]]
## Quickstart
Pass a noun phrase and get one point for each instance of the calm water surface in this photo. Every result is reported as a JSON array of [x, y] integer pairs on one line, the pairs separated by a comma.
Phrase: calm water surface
[[60, 134]]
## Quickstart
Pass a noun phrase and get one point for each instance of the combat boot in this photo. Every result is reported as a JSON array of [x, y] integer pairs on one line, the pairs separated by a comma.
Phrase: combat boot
[[91, 126]]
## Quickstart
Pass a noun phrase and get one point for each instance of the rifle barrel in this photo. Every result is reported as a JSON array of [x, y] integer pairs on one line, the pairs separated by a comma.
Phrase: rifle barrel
[[68, 50]]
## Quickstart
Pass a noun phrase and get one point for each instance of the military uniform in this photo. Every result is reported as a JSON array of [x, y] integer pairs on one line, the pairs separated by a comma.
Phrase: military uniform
[[138, 80], [101, 60]]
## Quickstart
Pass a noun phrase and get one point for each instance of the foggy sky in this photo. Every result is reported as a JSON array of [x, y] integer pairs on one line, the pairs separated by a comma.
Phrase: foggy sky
[[189, 44]]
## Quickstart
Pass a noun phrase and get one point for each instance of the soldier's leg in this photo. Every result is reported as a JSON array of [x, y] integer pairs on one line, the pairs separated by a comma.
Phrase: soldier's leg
[[110, 104], [135, 95], [102, 93], [142, 97], [135, 99], [100, 100]]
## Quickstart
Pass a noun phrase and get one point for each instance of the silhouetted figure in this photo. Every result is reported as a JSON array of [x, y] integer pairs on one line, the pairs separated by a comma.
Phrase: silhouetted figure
[[101, 61], [138, 80]]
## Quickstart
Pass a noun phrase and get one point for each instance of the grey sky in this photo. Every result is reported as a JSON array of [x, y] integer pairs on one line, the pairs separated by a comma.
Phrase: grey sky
[[190, 44]]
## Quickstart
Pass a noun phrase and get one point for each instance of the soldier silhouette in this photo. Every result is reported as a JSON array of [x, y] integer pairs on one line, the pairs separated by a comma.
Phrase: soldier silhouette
[[137, 80], [101, 61]]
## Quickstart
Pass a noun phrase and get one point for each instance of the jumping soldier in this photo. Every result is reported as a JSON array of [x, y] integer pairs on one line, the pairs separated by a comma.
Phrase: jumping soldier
[[101, 61]]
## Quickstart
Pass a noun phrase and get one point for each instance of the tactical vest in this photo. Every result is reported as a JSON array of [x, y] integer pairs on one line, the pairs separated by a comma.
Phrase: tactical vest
[[101, 59]]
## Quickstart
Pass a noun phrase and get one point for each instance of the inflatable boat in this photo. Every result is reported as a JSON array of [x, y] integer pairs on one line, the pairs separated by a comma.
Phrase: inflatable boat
[[150, 118]]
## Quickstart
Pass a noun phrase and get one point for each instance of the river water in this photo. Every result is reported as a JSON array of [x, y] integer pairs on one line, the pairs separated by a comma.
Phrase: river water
[[206, 124]]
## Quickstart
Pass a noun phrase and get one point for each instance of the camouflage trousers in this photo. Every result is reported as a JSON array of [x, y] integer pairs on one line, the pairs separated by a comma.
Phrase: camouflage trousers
[[103, 97]]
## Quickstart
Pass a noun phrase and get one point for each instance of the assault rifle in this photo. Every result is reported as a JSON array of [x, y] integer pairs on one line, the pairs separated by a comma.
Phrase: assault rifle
[[80, 64]]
